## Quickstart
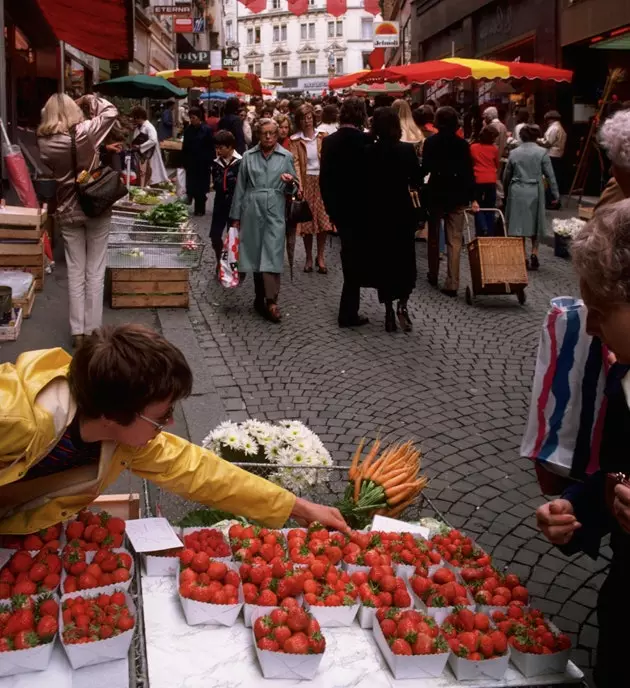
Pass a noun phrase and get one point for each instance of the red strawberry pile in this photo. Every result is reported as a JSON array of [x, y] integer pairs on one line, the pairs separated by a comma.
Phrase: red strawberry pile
[[24, 574], [527, 631], [208, 540], [410, 633], [209, 581], [459, 550], [269, 584], [44, 539], [368, 549], [439, 590], [305, 546], [406, 549], [471, 636], [86, 620], [255, 545], [26, 623], [293, 631], [327, 586], [107, 568], [381, 588], [489, 587], [93, 531]]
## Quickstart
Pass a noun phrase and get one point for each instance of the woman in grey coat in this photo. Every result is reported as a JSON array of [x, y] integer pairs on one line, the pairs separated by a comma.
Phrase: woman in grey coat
[[525, 188]]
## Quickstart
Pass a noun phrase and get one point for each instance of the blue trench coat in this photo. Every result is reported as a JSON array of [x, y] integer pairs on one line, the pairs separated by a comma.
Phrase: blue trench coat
[[525, 189], [260, 204]]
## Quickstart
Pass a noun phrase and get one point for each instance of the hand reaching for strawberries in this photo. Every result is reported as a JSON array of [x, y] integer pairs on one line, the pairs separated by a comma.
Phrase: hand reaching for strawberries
[[557, 520], [305, 513]]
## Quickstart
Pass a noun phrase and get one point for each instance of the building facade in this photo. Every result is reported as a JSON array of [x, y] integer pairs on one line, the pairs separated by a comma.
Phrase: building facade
[[301, 52]]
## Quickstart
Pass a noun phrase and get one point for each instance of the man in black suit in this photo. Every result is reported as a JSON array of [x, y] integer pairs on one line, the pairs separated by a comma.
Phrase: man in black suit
[[342, 187]]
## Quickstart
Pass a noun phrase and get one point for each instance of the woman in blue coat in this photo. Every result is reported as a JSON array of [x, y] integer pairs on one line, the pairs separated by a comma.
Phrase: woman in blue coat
[[525, 210]]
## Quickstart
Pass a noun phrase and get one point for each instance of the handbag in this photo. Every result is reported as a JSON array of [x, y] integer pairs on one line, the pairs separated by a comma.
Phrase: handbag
[[102, 187], [299, 210], [419, 210]]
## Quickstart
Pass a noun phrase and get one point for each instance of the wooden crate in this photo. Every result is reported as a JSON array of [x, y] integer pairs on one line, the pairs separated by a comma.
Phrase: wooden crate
[[9, 333], [26, 302], [28, 257], [497, 264], [22, 223], [125, 506], [149, 287]]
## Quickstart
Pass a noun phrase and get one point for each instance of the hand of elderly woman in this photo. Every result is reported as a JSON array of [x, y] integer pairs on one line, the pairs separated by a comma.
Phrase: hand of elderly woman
[[557, 521], [621, 506], [286, 177]]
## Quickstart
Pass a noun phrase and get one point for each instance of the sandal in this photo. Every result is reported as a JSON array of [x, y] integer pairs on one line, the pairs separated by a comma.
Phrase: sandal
[[273, 313], [322, 269]]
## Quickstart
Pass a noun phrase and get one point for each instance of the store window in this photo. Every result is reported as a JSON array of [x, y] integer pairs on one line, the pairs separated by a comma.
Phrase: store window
[[311, 67], [367, 29]]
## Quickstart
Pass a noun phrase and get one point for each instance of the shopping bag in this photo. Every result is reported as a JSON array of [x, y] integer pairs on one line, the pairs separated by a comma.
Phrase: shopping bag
[[568, 405], [228, 266]]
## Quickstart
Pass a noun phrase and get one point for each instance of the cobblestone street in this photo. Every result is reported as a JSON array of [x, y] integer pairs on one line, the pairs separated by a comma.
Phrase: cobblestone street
[[459, 386]]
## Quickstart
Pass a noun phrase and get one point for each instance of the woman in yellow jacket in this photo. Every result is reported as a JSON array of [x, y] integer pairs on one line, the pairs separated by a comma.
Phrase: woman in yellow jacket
[[70, 426]]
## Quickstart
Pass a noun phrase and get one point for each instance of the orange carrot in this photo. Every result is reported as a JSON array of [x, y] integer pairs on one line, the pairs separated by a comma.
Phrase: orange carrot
[[355, 460]]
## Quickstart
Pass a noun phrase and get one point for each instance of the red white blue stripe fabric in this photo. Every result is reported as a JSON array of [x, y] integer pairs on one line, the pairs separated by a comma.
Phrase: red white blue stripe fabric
[[568, 404]]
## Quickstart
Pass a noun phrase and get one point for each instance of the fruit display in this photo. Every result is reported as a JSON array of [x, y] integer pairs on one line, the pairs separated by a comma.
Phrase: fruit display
[[208, 540], [27, 623], [268, 585], [459, 550], [367, 550], [30, 574], [490, 588], [44, 539], [305, 546], [256, 545], [91, 531], [528, 631], [90, 619], [107, 567], [440, 591], [385, 483], [328, 586], [381, 588]]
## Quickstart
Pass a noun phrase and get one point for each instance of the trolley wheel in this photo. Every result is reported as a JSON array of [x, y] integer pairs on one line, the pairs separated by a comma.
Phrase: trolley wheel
[[469, 296], [521, 296]]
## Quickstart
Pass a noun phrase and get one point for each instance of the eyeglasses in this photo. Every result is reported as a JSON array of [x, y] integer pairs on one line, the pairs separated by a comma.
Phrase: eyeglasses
[[160, 424], [269, 134]]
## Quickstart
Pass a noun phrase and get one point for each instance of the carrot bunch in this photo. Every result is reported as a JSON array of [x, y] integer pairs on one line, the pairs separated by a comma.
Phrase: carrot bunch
[[385, 483]]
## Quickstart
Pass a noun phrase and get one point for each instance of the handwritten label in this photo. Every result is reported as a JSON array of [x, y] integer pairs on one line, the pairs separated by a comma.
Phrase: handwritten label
[[151, 534], [392, 525]]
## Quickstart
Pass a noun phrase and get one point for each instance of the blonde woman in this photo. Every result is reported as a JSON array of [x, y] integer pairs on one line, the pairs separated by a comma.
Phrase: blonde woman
[[411, 133], [85, 238]]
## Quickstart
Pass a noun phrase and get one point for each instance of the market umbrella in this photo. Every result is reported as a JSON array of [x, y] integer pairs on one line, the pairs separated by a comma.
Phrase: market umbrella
[[216, 95], [140, 86], [214, 80], [338, 83], [388, 88]]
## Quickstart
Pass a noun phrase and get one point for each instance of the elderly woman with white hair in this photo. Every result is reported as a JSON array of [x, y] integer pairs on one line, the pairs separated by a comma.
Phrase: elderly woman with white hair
[[600, 506], [614, 138]]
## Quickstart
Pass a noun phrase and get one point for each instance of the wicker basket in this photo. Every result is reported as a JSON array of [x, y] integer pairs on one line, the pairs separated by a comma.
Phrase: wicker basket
[[497, 261]]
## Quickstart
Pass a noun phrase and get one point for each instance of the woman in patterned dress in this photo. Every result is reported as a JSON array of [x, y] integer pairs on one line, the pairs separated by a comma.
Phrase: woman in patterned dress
[[306, 145]]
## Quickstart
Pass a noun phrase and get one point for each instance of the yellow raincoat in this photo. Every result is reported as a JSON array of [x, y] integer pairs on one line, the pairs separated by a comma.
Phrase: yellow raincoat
[[36, 408]]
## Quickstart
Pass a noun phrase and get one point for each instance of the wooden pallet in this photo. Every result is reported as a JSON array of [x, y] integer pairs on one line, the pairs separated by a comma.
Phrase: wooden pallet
[[26, 303], [28, 257], [10, 332], [149, 287]]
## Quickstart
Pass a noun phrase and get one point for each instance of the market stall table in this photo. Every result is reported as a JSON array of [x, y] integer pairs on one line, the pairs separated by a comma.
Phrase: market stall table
[[215, 656]]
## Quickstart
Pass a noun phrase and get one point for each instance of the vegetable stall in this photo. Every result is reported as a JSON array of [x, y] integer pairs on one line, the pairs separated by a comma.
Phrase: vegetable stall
[[216, 601]]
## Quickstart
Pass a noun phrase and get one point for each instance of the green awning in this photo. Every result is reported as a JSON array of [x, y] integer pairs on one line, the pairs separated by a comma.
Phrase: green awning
[[140, 86]]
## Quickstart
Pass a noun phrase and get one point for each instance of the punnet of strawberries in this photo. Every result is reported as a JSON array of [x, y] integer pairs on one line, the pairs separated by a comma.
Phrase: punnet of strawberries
[[368, 549], [208, 540], [306, 546], [293, 631], [205, 580], [268, 584], [489, 587], [326, 585], [107, 568], [256, 545], [459, 550], [27, 623], [472, 636], [93, 531], [408, 632], [48, 538], [88, 619], [24, 574], [442, 589], [528, 631], [381, 588]]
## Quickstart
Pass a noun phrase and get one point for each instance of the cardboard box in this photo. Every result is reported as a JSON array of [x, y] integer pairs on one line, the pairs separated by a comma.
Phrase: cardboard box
[[331, 617], [540, 665], [24, 661], [404, 666], [367, 615], [160, 566], [106, 589], [213, 614], [466, 670], [99, 651], [437, 613], [252, 611], [407, 570]]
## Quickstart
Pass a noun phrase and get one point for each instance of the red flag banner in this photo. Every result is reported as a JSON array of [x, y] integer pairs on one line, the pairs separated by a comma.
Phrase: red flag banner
[[336, 7], [377, 58], [256, 6], [298, 7], [372, 6]]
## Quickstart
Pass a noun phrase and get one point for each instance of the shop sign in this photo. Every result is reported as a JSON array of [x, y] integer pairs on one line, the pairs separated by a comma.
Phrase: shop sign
[[386, 34], [509, 21], [183, 25], [230, 58], [312, 84], [199, 25], [183, 9], [192, 59]]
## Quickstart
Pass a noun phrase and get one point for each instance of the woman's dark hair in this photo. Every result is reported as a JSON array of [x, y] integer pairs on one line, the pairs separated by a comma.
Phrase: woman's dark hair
[[423, 115], [268, 111], [195, 112], [383, 100], [353, 112], [522, 116], [447, 119], [138, 112], [225, 138], [330, 114], [386, 125], [529, 133], [300, 115], [232, 106], [488, 135]]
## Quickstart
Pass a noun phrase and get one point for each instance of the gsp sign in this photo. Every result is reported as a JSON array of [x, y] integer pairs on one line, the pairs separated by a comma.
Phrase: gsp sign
[[195, 58], [386, 34]]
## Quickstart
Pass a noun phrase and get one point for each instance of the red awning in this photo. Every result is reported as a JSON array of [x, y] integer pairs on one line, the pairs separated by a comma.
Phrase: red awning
[[103, 28]]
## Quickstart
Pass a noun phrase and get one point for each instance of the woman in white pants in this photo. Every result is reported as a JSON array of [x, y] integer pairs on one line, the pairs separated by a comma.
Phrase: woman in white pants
[[85, 239]]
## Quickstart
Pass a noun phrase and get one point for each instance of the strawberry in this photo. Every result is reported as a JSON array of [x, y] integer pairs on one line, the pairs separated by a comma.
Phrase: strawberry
[[401, 647], [47, 628], [24, 640], [268, 643], [297, 644]]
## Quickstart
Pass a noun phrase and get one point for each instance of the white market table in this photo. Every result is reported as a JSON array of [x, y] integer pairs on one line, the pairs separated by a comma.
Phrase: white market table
[[217, 657]]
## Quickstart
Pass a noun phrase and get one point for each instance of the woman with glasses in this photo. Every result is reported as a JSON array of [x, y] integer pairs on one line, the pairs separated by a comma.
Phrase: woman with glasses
[[70, 426]]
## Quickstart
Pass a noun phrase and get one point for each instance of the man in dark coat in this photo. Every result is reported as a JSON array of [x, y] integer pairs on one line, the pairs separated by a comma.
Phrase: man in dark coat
[[198, 152], [342, 185], [232, 122]]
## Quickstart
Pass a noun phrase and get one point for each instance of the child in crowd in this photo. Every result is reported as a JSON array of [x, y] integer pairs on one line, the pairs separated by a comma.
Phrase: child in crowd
[[485, 155], [224, 174]]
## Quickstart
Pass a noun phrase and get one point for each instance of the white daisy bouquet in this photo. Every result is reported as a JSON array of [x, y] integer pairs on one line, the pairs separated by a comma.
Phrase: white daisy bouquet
[[567, 228], [290, 445]]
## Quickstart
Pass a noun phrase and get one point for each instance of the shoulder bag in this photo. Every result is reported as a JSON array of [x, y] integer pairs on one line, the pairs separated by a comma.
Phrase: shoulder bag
[[102, 187], [298, 207]]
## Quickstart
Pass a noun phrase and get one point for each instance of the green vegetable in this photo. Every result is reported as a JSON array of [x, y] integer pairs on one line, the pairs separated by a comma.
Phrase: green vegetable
[[360, 513], [200, 518], [170, 215]]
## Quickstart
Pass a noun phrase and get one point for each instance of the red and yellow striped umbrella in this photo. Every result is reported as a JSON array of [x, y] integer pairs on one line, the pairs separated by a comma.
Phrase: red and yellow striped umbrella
[[453, 69], [214, 80]]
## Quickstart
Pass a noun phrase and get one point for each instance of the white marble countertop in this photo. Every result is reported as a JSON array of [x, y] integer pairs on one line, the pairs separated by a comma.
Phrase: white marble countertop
[[182, 656]]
